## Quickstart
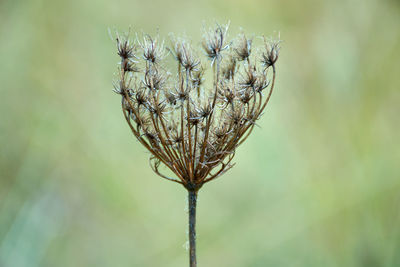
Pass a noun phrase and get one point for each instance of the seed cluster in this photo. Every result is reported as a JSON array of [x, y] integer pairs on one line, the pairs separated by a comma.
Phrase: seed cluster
[[194, 128]]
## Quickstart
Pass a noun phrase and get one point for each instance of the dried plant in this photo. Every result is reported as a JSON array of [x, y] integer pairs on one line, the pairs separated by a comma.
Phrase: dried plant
[[190, 127]]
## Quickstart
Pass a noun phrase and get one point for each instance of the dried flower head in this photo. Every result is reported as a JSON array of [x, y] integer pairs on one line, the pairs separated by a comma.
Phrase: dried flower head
[[190, 126], [214, 41], [243, 48], [153, 51], [271, 53]]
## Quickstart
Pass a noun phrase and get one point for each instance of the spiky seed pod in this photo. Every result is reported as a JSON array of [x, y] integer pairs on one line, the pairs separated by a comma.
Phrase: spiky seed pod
[[156, 108], [214, 42], [125, 49], [271, 53], [129, 66], [249, 78], [177, 137], [243, 48], [141, 97], [187, 58], [177, 51], [228, 96], [153, 79], [205, 111], [153, 51]]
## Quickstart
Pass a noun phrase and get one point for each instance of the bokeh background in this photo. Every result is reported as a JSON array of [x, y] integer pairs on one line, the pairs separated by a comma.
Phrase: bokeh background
[[316, 185]]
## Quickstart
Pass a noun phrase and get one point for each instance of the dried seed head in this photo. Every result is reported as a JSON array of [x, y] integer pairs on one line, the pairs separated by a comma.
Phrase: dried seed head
[[128, 65], [177, 138], [154, 80], [271, 53], [243, 49], [177, 51], [190, 125], [157, 109], [122, 89], [227, 96], [205, 111], [125, 48], [249, 79], [153, 51], [214, 41], [185, 56], [141, 97]]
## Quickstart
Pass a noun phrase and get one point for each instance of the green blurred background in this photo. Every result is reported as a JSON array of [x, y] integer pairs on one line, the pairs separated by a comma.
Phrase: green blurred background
[[317, 185]]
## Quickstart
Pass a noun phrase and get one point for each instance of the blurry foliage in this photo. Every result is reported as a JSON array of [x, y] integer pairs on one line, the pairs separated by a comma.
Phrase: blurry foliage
[[316, 185]]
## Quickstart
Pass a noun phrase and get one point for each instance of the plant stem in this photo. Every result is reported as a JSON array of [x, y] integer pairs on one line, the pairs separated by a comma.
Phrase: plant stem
[[192, 227]]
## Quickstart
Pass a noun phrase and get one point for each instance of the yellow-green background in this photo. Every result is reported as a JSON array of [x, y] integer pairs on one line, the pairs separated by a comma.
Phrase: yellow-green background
[[317, 185]]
